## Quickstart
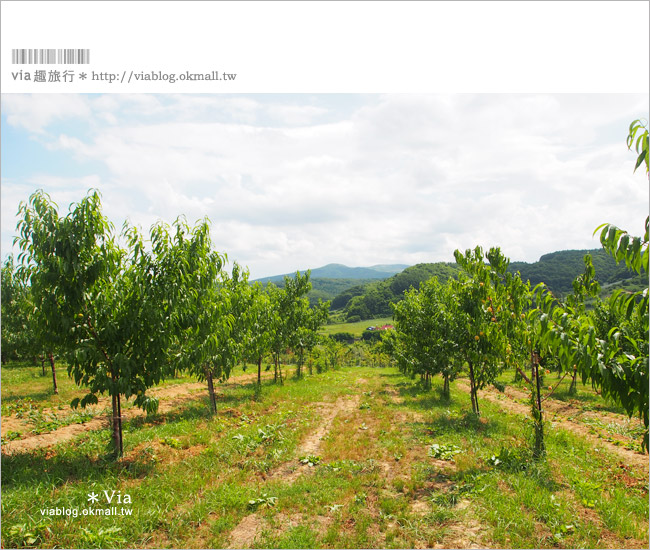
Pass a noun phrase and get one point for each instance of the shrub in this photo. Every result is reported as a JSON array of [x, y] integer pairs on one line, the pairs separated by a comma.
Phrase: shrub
[[343, 337]]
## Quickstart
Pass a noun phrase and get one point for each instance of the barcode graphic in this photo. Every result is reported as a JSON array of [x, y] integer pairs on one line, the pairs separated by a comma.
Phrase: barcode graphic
[[50, 56]]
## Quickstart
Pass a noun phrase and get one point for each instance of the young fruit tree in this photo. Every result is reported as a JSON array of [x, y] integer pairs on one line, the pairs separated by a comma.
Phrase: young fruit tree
[[288, 305], [230, 328], [111, 307], [423, 340], [483, 316], [611, 352], [201, 315], [260, 320], [16, 309], [309, 320]]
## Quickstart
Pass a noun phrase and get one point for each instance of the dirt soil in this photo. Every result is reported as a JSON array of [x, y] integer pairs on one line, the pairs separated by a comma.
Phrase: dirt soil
[[252, 525], [564, 412], [289, 471], [244, 535], [170, 397]]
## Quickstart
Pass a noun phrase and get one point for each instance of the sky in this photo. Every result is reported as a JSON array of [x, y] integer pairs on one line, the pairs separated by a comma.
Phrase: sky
[[298, 181]]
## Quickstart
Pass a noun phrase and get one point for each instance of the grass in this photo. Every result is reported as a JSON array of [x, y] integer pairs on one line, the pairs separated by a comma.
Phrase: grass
[[191, 476], [24, 382], [585, 395], [356, 328]]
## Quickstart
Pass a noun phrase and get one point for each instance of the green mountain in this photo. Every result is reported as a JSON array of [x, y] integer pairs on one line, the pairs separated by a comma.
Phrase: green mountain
[[327, 289], [340, 271], [360, 293], [374, 299], [557, 270]]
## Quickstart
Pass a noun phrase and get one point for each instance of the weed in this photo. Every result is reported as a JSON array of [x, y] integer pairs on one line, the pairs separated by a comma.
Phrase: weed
[[450, 498], [102, 538], [564, 530], [48, 422], [512, 459], [310, 460], [19, 407], [26, 535], [264, 501], [172, 442], [11, 436], [444, 452], [360, 498], [334, 507]]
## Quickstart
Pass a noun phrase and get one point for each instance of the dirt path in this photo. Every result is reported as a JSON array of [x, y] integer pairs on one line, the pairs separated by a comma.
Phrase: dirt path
[[562, 413], [289, 471], [249, 528], [170, 397]]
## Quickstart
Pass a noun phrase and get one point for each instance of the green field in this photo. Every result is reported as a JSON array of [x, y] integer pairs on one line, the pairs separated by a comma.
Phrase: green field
[[356, 328], [393, 466]]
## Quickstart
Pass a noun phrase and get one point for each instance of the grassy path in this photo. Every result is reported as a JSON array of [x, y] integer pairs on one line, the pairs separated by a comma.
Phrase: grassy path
[[394, 467], [566, 416]]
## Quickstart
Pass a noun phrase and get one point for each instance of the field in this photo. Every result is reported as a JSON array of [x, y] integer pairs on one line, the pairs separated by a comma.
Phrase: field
[[356, 328], [350, 458]]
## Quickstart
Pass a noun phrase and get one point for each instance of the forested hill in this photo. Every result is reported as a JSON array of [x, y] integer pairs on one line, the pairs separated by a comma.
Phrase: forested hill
[[557, 270], [331, 280], [340, 271], [374, 299], [367, 292]]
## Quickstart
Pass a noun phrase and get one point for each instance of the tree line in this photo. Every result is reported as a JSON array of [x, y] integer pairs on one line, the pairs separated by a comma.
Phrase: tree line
[[489, 320], [125, 312]]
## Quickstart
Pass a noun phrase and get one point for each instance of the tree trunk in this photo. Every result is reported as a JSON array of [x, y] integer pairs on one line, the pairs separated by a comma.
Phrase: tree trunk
[[213, 397], [445, 386], [310, 364], [116, 426], [275, 364], [473, 392], [259, 371], [573, 388], [119, 422], [300, 360], [51, 358], [43, 363], [538, 451]]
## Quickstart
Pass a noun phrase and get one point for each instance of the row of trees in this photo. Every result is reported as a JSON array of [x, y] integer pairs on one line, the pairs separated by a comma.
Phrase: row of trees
[[490, 320], [476, 320], [125, 312]]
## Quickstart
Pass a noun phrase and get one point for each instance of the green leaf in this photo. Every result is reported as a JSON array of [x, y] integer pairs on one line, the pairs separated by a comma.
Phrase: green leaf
[[640, 159]]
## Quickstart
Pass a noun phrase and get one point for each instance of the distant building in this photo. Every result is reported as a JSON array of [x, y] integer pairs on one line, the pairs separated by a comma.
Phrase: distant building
[[383, 327]]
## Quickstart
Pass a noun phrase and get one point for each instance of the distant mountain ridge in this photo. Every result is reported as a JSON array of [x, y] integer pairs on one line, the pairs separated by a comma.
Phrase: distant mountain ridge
[[559, 269], [367, 292], [556, 269], [340, 271]]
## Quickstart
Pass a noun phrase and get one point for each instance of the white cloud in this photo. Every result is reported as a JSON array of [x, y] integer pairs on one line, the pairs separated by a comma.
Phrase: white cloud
[[295, 115], [35, 112], [404, 178]]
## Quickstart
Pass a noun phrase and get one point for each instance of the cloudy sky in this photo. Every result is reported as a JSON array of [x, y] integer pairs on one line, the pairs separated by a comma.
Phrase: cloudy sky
[[298, 181]]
